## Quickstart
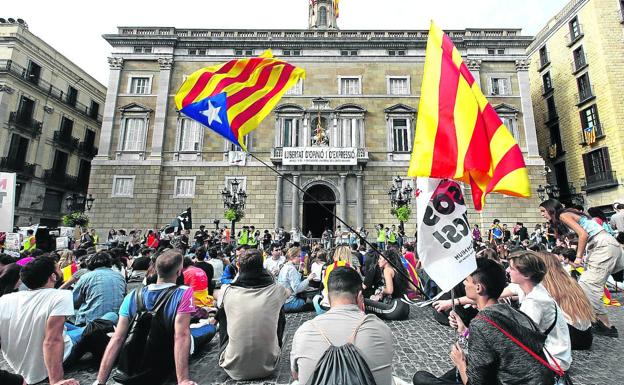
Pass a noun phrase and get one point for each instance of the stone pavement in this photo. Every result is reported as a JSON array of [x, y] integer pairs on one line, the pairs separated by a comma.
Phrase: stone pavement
[[420, 343]]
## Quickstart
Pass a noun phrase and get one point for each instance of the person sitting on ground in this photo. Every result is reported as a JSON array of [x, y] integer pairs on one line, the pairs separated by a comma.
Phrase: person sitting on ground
[[316, 268], [372, 337], [341, 257], [274, 264], [200, 257], [290, 278], [196, 279], [251, 321], [491, 356], [216, 261], [574, 304], [180, 342], [34, 343], [389, 303], [98, 292]]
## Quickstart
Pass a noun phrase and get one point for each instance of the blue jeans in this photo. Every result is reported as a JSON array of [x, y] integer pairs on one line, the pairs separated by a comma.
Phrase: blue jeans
[[75, 332], [294, 305]]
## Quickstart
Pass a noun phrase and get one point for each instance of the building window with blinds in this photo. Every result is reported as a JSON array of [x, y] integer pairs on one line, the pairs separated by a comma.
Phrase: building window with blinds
[[123, 186], [500, 86], [350, 85], [401, 137], [291, 132], [133, 135], [184, 187], [512, 125], [140, 85], [189, 138], [398, 85]]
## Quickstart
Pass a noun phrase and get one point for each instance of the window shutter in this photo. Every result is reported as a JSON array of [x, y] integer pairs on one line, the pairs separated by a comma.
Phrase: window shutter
[[587, 165], [607, 159], [489, 85]]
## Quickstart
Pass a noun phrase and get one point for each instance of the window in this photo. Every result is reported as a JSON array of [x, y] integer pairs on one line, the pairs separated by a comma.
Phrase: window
[[291, 52], [67, 126], [491, 51], [72, 96], [297, 89], [399, 85], [543, 53], [584, 87], [142, 49], [235, 148], [347, 52], [184, 187], [94, 110], [322, 17], [622, 10], [26, 110], [399, 52], [500, 86], [575, 29], [33, 74], [547, 82], [189, 137], [140, 85], [291, 132], [555, 137], [579, 58], [597, 164], [550, 106], [500, 51], [349, 132], [197, 52], [123, 186], [512, 125], [589, 118], [133, 134], [243, 52], [400, 135], [350, 86]]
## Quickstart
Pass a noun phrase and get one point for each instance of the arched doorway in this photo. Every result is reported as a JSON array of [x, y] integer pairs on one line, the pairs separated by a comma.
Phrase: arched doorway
[[315, 217]]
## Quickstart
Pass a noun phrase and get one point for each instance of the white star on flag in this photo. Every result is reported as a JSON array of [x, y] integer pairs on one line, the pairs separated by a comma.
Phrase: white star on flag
[[212, 113]]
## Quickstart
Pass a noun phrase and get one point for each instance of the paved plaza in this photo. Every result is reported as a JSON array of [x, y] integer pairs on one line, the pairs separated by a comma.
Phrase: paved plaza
[[420, 343]]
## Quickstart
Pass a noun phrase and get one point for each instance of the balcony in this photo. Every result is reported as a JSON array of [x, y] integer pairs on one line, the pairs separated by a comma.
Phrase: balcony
[[599, 181], [26, 170], [87, 149], [66, 141], [550, 117], [25, 123], [586, 94], [547, 90], [571, 39], [325, 156], [61, 180], [10, 67]]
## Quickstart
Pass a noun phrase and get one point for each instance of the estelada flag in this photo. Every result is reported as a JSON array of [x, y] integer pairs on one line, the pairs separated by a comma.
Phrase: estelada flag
[[458, 134], [233, 98]]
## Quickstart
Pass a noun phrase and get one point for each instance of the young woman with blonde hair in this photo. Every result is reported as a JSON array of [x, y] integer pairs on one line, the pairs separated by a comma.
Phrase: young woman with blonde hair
[[571, 299]]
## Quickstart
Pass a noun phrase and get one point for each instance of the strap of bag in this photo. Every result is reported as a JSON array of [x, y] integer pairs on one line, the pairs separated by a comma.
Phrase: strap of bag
[[560, 372], [163, 299], [357, 328], [318, 328], [351, 338], [547, 332]]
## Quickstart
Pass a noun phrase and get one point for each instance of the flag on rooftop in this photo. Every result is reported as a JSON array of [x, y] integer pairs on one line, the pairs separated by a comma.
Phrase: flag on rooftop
[[458, 134], [233, 98]]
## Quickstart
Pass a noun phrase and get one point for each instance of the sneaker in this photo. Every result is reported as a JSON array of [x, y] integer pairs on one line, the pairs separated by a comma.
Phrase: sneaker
[[600, 329]]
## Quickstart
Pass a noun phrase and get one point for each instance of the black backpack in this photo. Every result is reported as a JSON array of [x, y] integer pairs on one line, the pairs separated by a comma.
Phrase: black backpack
[[147, 354], [341, 365]]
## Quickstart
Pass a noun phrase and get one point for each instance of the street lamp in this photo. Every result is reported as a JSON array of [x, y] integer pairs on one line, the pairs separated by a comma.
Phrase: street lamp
[[552, 191], [78, 202], [234, 199], [400, 196]]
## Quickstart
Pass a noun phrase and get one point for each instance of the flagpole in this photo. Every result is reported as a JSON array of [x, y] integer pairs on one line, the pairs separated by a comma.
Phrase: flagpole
[[330, 212]]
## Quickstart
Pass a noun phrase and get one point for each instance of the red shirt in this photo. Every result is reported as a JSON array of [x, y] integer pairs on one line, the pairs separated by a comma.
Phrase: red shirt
[[195, 278]]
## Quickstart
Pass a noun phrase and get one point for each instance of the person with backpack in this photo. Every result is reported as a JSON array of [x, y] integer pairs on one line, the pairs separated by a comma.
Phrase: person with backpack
[[498, 341], [154, 322], [344, 333]]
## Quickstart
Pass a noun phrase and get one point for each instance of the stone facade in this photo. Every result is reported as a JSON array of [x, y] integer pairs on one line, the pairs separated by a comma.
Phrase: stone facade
[[369, 112], [582, 45], [50, 117]]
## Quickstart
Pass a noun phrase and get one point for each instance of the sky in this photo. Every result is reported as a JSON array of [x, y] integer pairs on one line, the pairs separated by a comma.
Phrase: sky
[[75, 28]]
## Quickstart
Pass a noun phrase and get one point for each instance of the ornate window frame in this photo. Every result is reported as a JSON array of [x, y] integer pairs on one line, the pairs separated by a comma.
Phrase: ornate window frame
[[400, 111], [133, 111]]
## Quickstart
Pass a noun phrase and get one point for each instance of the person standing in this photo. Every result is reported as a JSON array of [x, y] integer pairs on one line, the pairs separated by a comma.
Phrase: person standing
[[617, 220], [381, 237]]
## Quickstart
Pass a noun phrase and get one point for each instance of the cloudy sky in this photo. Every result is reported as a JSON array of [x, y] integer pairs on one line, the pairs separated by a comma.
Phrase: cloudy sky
[[75, 28]]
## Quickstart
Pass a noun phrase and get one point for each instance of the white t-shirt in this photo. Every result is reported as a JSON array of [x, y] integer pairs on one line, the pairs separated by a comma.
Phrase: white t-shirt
[[317, 269], [540, 307], [23, 318], [273, 266]]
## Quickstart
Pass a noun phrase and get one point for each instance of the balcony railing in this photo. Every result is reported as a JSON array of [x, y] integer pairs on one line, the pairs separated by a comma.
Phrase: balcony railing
[[22, 168], [61, 180], [87, 149], [15, 69], [599, 181], [25, 123], [66, 140]]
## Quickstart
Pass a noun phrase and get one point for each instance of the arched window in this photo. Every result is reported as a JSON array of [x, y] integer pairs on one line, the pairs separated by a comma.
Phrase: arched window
[[323, 17]]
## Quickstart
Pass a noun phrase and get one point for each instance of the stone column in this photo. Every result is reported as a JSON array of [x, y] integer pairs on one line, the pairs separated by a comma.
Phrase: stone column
[[108, 116], [342, 189], [360, 201], [279, 201], [160, 116], [346, 133], [335, 130], [474, 66], [295, 203], [528, 119], [306, 132]]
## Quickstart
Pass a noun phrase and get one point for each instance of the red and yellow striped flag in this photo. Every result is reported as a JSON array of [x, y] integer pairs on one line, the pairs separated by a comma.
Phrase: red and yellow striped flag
[[458, 134]]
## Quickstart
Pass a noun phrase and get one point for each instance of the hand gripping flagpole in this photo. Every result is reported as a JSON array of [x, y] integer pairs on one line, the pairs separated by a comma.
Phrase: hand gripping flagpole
[[372, 246]]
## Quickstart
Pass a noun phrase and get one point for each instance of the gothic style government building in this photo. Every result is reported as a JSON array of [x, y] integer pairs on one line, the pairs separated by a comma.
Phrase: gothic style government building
[[342, 134]]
